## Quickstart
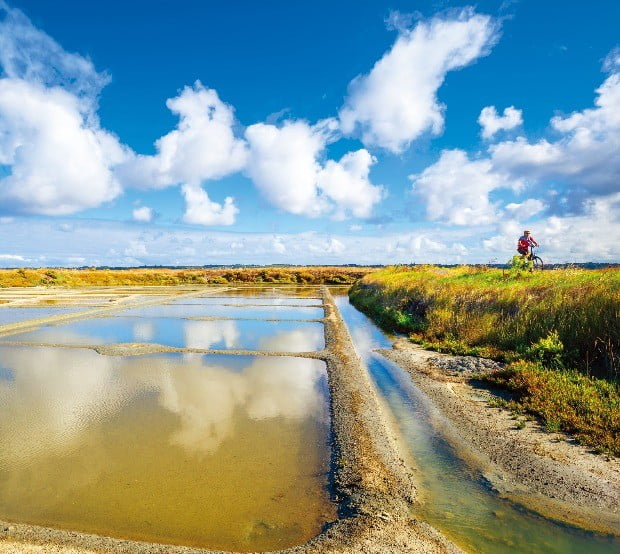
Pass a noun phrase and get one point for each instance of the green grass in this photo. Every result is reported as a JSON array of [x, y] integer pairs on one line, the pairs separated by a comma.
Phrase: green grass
[[566, 400], [501, 314], [561, 327]]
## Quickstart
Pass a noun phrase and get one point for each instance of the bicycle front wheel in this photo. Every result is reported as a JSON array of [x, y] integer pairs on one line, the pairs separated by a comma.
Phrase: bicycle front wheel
[[538, 263]]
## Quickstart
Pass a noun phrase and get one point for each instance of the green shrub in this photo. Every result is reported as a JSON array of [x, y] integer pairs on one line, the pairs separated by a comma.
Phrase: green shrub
[[548, 351], [586, 407], [519, 264]]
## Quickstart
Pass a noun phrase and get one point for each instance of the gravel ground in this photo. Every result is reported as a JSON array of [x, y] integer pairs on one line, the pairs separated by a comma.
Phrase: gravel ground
[[464, 365]]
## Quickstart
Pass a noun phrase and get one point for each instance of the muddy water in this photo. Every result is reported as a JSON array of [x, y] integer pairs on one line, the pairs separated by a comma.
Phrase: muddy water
[[275, 336], [456, 499], [226, 452]]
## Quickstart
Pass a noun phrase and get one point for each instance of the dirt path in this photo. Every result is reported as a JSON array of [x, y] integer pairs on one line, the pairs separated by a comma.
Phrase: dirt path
[[541, 470]]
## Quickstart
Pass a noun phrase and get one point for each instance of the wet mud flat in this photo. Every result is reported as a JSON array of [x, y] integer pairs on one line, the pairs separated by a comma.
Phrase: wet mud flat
[[543, 471], [372, 487]]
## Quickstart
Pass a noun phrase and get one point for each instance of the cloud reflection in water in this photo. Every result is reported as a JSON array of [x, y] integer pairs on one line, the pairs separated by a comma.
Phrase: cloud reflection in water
[[58, 395], [205, 334]]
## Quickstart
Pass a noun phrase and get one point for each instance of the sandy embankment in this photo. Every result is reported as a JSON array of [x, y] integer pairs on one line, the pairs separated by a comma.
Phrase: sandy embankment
[[373, 486], [544, 471]]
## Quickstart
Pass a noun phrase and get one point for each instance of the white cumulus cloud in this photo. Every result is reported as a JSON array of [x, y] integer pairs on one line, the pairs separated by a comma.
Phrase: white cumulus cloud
[[30, 54], [286, 166], [144, 213], [60, 160], [593, 235], [397, 101], [611, 62], [12, 258], [327, 246], [456, 189], [585, 156], [200, 210], [283, 165], [491, 122], [581, 164], [346, 183], [203, 146], [527, 208], [136, 248], [278, 245]]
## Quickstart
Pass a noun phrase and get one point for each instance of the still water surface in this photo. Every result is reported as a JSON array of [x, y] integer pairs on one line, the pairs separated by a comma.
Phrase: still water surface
[[270, 311], [456, 499], [228, 452], [234, 298], [274, 336], [15, 315]]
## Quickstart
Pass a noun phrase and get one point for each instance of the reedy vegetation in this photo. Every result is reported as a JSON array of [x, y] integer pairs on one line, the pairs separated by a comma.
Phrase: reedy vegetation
[[560, 330], [169, 277]]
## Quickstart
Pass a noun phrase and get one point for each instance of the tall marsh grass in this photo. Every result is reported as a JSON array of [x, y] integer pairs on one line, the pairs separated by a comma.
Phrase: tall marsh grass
[[169, 277], [489, 311], [559, 329]]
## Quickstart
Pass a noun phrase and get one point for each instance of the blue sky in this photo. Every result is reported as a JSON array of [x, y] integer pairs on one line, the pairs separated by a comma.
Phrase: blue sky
[[322, 132]]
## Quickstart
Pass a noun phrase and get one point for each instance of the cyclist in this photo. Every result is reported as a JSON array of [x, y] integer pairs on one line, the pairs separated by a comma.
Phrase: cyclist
[[525, 243]]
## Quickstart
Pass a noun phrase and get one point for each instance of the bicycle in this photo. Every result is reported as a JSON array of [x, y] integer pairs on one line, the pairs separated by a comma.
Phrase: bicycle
[[537, 263]]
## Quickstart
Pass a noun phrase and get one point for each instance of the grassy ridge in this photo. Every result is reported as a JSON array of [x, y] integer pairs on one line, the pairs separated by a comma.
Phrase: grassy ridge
[[165, 277], [560, 329], [490, 312]]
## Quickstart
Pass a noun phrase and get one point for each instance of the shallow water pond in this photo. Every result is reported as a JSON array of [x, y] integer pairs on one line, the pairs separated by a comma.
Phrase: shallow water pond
[[273, 336], [16, 315], [275, 291], [252, 300], [227, 452], [456, 499], [227, 311]]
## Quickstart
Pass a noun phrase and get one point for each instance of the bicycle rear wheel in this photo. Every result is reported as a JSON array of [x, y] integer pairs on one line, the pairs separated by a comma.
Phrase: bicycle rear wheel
[[538, 263]]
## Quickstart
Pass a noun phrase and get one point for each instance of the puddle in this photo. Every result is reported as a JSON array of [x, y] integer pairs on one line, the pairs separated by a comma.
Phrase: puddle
[[229, 311], [16, 315], [274, 336], [226, 452], [456, 500]]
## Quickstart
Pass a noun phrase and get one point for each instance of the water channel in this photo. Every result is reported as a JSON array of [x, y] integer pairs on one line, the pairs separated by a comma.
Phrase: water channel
[[457, 499]]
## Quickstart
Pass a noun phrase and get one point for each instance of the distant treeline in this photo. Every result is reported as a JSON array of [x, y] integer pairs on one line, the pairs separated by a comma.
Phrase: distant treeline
[[88, 277]]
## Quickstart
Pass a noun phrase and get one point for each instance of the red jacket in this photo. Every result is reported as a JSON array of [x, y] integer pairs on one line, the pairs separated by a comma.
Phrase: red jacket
[[525, 242]]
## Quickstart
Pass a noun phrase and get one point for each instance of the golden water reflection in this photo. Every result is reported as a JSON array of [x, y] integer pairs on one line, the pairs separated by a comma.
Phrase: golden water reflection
[[226, 452]]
